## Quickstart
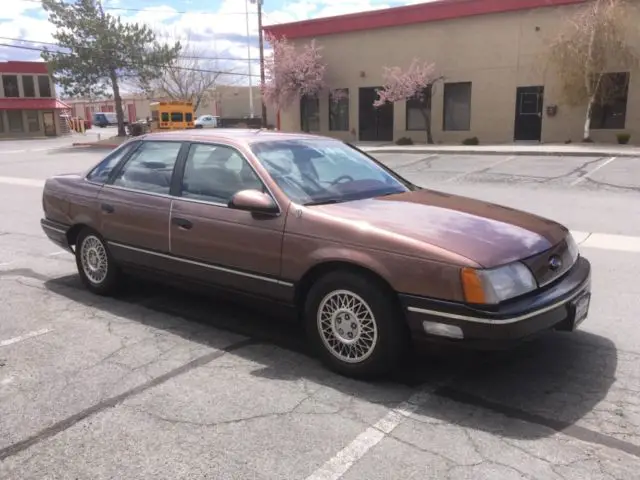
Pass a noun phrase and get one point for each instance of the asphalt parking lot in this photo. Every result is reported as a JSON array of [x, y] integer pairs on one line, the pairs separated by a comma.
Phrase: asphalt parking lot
[[162, 383]]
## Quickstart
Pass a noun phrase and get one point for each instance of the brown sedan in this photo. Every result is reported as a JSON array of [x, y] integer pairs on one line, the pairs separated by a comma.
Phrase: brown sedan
[[368, 259]]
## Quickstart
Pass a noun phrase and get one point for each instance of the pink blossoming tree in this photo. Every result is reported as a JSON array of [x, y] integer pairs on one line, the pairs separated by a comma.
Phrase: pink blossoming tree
[[291, 73], [416, 82]]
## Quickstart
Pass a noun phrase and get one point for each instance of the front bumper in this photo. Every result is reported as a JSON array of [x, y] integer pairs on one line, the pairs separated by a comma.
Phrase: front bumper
[[560, 306]]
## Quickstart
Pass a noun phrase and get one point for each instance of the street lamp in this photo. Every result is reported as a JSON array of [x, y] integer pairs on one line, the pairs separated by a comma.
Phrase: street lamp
[[260, 36]]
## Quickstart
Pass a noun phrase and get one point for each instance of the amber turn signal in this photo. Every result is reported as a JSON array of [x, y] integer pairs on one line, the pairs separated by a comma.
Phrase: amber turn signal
[[472, 286]]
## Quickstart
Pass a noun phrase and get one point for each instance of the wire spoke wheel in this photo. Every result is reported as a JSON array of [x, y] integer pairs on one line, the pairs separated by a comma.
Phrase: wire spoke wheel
[[94, 259], [347, 326]]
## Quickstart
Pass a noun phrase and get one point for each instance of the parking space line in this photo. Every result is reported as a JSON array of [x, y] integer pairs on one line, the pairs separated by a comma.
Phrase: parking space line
[[588, 174], [494, 164], [25, 182], [340, 463], [26, 336]]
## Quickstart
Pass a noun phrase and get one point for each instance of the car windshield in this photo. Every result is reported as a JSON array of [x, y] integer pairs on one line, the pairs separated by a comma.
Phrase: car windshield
[[317, 171]]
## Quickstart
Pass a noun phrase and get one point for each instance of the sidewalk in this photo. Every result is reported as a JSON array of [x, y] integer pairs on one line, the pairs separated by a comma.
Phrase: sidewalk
[[556, 150]]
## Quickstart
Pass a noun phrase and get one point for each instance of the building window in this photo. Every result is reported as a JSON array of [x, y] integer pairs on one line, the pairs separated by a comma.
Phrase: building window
[[33, 121], [610, 108], [15, 121], [10, 85], [457, 107], [339, 110], [309, 113], [44, 85], [28, 87], [418, 108]]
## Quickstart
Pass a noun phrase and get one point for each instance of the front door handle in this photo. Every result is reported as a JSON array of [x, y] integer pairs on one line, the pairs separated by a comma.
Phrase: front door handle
[[105, 207], [182, 223]]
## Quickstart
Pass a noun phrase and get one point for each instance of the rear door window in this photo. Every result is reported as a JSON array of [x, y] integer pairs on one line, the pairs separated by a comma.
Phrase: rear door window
[[100, 174], [150, 168]]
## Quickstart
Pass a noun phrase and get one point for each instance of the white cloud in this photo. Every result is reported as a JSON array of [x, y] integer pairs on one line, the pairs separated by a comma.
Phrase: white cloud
[[216, 33]]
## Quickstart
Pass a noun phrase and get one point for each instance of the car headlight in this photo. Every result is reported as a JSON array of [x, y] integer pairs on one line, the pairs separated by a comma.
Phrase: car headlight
[[495, 285], [572, 247]]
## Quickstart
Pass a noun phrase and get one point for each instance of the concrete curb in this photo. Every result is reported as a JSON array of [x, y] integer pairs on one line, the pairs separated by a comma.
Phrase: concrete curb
[[544, 153]]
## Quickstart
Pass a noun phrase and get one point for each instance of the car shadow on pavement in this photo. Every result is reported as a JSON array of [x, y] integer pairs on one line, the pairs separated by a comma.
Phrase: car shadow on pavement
[[533, 391]]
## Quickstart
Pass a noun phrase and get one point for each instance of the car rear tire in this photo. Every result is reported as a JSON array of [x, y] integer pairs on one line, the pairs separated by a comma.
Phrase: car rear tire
[[355, 325], [97, 269]]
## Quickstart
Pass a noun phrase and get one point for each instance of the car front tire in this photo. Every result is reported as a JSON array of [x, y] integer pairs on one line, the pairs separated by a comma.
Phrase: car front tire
[[97, 269], [355, 325]]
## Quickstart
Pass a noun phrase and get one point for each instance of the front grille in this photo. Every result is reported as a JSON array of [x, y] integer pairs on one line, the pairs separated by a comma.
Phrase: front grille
[[540, 264]]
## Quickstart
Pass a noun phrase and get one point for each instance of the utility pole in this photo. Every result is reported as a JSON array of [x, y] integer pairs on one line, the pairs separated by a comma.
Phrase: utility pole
[[264, 107], [246, 6]]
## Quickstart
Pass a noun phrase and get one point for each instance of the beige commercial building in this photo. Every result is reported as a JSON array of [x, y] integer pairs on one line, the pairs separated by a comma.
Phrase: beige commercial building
[[226, 101], [498, 84]]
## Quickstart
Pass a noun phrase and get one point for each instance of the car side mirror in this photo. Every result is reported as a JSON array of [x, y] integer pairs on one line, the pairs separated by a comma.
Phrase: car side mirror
[[253, 201]]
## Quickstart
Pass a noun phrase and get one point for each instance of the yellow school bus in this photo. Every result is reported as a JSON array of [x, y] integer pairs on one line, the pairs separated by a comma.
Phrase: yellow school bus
[[171, 115]]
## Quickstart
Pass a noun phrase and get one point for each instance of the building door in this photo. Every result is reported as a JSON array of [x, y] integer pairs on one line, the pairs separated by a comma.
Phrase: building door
[[528, 122], [375, 124], [49, 122], [131, 111]]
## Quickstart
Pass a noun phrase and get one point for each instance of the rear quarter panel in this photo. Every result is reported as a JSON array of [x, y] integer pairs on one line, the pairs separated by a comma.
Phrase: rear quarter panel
[[71, 200]]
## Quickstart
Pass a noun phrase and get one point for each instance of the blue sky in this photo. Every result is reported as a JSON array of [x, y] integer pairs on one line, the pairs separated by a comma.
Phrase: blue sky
[[215, 28]]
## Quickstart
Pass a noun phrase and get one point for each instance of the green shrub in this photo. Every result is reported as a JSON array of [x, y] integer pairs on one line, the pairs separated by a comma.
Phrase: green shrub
[[471, 141], [404, 141], [623, 138], [136, 129]]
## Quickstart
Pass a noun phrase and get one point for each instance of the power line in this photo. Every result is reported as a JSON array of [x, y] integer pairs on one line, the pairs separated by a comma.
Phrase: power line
[[189, 57], [151, 10], [201, 70]]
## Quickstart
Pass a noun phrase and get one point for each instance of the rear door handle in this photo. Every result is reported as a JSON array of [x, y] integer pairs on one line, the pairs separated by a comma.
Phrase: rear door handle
[[105, 207], [182, 223]]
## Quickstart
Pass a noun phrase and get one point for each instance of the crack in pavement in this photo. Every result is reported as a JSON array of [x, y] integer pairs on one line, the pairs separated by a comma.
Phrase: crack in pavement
[[111, 402], [566, 428]]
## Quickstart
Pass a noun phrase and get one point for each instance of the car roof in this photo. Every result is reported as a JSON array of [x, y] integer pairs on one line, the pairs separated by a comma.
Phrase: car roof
[[242, 135]]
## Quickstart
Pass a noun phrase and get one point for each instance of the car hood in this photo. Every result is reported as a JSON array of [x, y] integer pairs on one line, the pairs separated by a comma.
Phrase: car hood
[[485, 233]]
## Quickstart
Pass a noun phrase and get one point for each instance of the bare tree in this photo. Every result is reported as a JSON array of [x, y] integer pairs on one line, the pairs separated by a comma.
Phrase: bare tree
[[193, 76], [594, 43]]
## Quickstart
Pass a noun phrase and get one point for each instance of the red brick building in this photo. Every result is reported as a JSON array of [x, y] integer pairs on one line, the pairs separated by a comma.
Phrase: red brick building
[[28, 103]]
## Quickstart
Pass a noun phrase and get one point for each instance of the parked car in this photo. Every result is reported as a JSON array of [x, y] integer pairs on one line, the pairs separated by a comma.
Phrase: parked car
[[207, 121], [368, 259], [106, 119]]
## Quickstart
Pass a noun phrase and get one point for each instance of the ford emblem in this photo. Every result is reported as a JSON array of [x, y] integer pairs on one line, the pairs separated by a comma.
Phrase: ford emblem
[[555, 262]]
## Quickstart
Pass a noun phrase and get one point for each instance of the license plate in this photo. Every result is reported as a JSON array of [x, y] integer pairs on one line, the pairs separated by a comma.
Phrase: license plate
[[581, 309]]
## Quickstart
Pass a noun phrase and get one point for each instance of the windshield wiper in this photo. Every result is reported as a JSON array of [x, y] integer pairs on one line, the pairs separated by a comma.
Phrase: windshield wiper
[[321, 202]]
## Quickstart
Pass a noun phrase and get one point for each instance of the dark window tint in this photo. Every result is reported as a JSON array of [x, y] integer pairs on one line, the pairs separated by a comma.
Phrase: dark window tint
[[610, 108], [10, 85], [150, 167], [177, 117], [189, 117], [215, 173], [309, 113], [16, 123], [339, 110], [44, 85], [101, 172], [418, 108], [33, 120], [165, 117], [457, 107], [28, 86]]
